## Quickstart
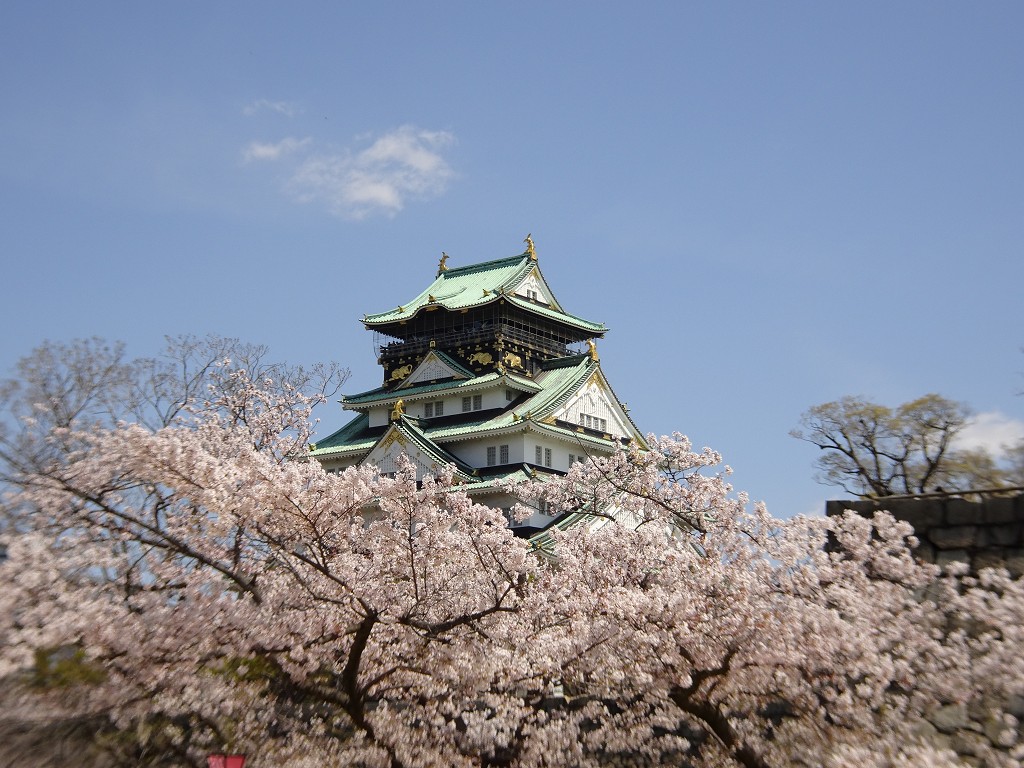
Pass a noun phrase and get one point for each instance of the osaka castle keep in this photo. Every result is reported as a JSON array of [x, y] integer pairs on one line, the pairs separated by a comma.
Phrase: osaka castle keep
[[485, 371]]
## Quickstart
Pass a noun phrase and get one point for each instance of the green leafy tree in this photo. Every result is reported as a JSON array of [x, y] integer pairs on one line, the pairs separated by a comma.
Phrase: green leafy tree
[[874, 450]]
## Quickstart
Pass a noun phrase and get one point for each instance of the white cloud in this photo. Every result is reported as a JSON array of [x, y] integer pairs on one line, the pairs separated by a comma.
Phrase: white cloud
[[260, 105], [993, 431], [397, 167], [257, 150]]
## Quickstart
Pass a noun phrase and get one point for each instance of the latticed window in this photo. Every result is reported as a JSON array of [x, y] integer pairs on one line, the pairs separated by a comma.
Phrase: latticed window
[[547, 457], [478, 402], [492, 456], [503, 454], [538, 454]]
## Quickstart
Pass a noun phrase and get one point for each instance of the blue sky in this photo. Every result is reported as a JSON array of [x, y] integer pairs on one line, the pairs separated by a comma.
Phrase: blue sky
[[771, 205]]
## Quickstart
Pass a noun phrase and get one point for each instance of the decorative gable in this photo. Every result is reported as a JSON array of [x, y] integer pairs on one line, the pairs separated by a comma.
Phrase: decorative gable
[[435, 367], [595, 407], [533, 288], [385, 455]]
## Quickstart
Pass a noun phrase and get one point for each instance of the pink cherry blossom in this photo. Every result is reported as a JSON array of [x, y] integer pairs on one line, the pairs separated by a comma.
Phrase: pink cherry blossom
[[227, 590]]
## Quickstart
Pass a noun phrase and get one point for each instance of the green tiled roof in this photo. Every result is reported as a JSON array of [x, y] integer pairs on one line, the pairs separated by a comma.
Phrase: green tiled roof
[[477, 285], [384, 394], [554, 314], [389, 393], [350, 435], [408, 428], [520, 473], [560, 380]]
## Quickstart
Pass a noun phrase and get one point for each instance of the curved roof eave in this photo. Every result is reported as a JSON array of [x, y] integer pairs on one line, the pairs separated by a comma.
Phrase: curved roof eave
[[477, 285], [383, 320]]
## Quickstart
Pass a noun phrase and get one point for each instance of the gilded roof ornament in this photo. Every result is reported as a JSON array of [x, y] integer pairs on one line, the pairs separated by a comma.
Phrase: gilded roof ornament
[[431, 298], [399, 410], [442, 265], [531, 251], [592, 348]]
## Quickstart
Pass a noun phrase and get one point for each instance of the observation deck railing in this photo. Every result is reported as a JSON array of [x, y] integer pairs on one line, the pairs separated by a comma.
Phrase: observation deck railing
[[475, 335]]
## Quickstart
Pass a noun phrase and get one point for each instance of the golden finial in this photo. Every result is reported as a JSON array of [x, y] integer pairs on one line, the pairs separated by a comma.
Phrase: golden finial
[[431, 298], [443, 264], [593, 349], [399, 410], [530, 250], [312, 447], [486, 293]]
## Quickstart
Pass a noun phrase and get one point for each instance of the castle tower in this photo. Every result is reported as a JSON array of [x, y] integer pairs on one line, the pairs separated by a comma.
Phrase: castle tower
[[484, 370]]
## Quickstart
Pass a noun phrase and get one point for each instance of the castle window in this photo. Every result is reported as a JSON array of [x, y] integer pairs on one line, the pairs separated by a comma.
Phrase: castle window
[[503, 454], [432, 409], [510, 395], [542, 456], [492, 456], [474, 403]]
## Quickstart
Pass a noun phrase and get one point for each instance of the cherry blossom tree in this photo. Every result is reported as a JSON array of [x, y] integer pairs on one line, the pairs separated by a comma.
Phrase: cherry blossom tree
[[212, 585]]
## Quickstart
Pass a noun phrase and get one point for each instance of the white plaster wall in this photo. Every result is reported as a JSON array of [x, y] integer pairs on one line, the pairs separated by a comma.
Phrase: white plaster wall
[[379, 416], [533, 284]]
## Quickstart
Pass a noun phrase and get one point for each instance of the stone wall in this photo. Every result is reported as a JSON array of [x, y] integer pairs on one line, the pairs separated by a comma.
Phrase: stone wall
[[985, 533]]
